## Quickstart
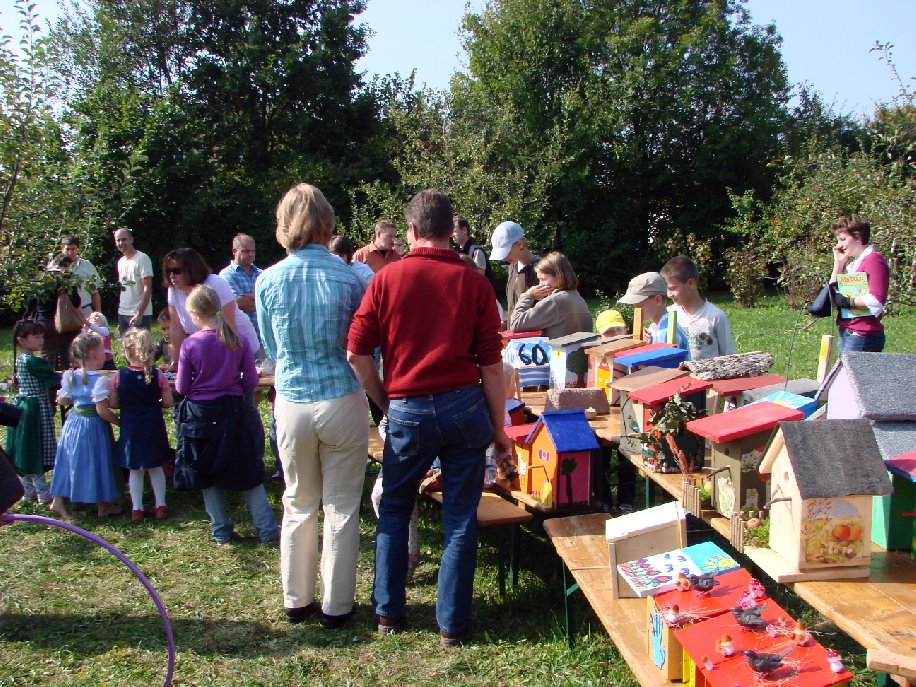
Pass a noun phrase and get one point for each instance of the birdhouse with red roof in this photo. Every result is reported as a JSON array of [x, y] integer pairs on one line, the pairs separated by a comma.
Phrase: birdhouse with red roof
[[602, 368], [823, 475], [633, 416], [521, 453], [670, 446], [739, 438], [559, 469]]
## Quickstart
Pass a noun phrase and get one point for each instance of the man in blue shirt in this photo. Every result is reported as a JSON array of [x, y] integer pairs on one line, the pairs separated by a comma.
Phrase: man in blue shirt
[[241, 274]]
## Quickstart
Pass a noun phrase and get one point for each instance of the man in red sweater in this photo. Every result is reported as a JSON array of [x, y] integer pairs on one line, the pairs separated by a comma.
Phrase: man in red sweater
[[444, 396]]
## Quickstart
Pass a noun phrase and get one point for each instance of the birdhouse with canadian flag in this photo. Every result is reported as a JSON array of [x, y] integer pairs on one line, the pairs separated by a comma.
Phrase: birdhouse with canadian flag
[[559, 468], [823, 475]]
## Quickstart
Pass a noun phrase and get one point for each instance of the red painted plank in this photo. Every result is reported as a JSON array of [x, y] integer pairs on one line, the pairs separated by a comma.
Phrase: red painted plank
[[744, 421]]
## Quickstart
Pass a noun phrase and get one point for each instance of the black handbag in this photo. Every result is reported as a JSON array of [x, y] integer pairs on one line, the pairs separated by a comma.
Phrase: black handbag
[[821, 306], [10, 487]]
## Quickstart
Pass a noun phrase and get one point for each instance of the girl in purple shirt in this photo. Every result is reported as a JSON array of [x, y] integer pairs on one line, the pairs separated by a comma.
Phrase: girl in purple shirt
[[220, 434]]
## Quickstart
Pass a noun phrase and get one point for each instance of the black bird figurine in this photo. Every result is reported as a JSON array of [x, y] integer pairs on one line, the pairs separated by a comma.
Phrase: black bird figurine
[[765, 663], [705, 582], [749, 617]]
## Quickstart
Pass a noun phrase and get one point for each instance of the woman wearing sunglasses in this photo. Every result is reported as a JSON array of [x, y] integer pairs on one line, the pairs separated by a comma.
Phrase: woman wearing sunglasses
[[185, 268]]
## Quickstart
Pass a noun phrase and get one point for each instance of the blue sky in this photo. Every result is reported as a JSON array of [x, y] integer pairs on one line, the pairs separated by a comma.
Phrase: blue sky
[[825, 42]]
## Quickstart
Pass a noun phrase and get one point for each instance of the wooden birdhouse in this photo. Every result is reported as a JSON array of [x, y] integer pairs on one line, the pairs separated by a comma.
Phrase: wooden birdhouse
[[656, 355], [894, 516], [739, 438], [805, 404], [877, 386], [530, 357], [633, 418], [653, 403], [559, 471], [671, 611], [521, 453], [823, 475], [602, 368], [727, 394], [515, 411], [568, 362]]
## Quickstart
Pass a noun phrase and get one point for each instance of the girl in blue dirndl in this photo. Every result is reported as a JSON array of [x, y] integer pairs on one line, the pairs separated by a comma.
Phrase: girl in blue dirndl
[[84, 471]]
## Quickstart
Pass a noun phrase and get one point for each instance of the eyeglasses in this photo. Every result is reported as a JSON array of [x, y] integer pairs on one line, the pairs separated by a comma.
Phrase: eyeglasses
[[173, 270]]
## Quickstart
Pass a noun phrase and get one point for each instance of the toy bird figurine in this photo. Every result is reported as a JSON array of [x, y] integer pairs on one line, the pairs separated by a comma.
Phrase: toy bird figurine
[[749, 618], [765, 663], [705, 582], [673, 615], [835, 661], [682, 584]]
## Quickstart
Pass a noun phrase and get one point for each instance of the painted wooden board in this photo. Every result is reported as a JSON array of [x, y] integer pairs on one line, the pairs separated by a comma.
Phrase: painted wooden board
[[730, 387], [494, 510], [697, 606], [657, 395], [648, 376], [744, 421], [904, 465], [667, 356]]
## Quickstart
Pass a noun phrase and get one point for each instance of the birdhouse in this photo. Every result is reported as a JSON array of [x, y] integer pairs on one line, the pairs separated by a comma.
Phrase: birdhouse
[[877, 386], [515, 410], [637, 536], [521, 450], [530, 356], [893, 516], [633, 420], [727, 394], [652, 402], [823, 475], [656, 355], [739, 438], [602, 367], [671, 611], [805, 404], [801, 387], [568, 362], [721, 641], [559, 470]]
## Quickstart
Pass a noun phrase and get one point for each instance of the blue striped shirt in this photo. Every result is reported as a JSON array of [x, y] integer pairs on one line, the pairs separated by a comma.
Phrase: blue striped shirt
[[304, 304], [241, 283]]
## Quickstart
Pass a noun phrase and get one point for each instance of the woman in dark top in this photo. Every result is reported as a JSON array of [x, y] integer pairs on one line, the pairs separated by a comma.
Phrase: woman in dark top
[[42, 308]]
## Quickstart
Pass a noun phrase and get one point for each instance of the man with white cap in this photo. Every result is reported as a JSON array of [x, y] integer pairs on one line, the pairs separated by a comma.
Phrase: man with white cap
[[649, 291], [509, 246]]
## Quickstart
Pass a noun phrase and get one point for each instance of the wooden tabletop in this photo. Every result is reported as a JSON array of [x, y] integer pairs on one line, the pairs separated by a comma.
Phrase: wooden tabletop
[[580, 542]]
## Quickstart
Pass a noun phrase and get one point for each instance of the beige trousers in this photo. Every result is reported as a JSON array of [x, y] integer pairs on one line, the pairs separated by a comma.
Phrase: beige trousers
[[323, 449]]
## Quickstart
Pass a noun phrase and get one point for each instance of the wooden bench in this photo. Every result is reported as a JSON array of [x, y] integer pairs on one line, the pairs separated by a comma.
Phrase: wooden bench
[[493, 512], [580, 543]]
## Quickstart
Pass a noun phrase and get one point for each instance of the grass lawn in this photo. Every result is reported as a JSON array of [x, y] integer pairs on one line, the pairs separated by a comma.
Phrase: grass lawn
[[71, 614]]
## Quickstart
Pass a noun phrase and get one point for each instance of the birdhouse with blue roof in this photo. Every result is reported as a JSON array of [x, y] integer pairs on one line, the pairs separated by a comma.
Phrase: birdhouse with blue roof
[[568, 362], [656, 355], [559, 469]]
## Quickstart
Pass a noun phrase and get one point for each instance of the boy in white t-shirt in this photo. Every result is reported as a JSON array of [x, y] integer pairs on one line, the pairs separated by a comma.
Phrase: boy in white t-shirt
[[708, 332]]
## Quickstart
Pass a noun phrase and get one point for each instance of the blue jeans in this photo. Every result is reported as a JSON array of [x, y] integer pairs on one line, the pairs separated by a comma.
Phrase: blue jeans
[[261, 515], [456, 427], [872, 343]]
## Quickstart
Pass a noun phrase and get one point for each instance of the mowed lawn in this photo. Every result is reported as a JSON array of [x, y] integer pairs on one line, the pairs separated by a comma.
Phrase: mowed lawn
[[71, 614]]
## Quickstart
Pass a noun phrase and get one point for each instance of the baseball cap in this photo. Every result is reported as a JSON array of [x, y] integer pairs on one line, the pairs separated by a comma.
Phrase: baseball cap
[[505, 234], [607, 319], [642, 286]]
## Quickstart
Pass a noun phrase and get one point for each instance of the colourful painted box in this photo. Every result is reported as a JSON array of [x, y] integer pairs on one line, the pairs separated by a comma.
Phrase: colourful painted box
[[739, 438], [631, 421], [522, 453], [559, 469], [658, 573], [640, 535], [686, 608], [805, 404], [804, 665]]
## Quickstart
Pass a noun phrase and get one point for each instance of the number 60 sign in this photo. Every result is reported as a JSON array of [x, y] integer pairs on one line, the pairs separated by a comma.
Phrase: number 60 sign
[[531, 357]]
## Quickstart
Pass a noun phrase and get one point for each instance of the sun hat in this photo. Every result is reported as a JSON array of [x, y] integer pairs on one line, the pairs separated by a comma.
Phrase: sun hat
[[505, 234], [607, 319], [642, 286]]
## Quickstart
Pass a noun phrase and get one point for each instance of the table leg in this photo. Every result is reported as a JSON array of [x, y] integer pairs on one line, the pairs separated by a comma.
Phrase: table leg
[[501, 562], [513, 556], [569, 590]]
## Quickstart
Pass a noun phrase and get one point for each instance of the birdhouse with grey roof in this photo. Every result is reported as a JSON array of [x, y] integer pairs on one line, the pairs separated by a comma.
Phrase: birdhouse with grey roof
[[568, 362], [823, 475], [876, 386]]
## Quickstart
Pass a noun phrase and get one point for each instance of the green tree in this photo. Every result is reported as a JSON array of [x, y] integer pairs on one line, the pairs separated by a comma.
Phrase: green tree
[[33, 161]]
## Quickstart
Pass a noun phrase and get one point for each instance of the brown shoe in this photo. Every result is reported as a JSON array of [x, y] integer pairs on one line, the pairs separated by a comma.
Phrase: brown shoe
[[389, 626]]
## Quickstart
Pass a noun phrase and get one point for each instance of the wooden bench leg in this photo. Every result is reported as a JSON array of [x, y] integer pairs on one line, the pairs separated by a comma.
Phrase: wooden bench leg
[[501, 561], [513, 555], [569, 590]]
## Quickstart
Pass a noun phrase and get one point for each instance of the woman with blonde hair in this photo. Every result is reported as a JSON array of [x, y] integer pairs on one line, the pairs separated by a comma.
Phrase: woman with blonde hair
[[304, 305]]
